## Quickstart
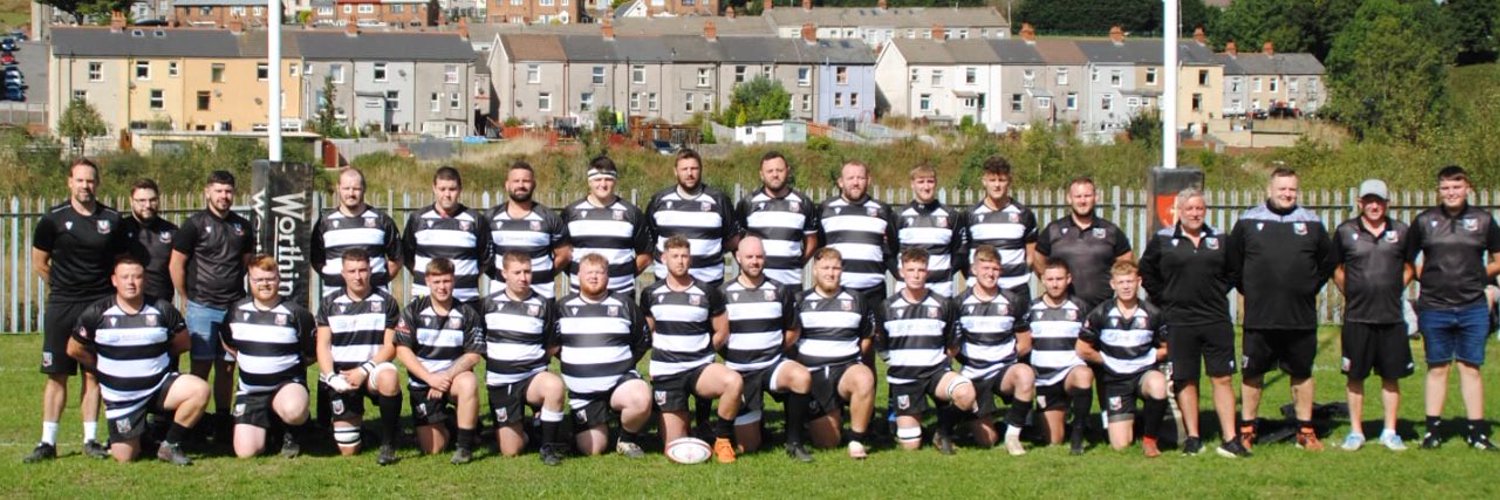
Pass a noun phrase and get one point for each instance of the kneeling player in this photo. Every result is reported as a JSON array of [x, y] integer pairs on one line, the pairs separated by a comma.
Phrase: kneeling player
[[1127, 337], [916, 329], [520, 337], [356, 342], [687, 322], [1063, 381], [602, 337], [272, 341], [761, 313], [129, 342], [991, 338], [833, 334], [439, 340]]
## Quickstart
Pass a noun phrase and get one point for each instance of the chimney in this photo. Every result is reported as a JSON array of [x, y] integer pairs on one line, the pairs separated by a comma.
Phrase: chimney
[[809, 33], [649, 14], [882, 5], [1268, 48], [1199, 36], [117, 21], [807, 5], [463, 28], [1231, 49], [938, 33], [1028, 33], [729, 12], [710, 32], [172, 21], [236, 25], [1117, 35], [351, 28], [767, 5], [607, 28]]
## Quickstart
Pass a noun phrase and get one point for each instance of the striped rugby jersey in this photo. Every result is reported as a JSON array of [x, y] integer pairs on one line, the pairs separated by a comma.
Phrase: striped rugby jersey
[[537, 234], [275, 345], [987, 329], [462, 237], [619, 232], [517, 335], [1127, 344], [864, 233], [706, 220], [831, 328], [915, 336], [1009, 229], [335, 233], [439, 340], [783, 224], [133, 351], [935, 228], [758, 319], [358, 326], [1054, 339], [683, 320], [600, 344]]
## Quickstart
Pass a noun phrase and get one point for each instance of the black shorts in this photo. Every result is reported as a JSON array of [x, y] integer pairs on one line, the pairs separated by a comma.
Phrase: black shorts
[[593, 412], [255, 409], [910, 400], [131, 425], [1192, 348], [1120, 395], [672, 392], [57, 328], [426, 411], [825, 390], [756, 384], [350, 405], [1381, 347], [508, 402], [1290, 350], [987, 388], [1052, 397]]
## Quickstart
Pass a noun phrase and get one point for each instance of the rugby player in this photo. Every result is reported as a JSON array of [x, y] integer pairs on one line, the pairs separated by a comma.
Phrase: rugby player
[[354, 224], [356, 343], [761, 318], [833, 328], [1090, 244], [603, 335], [522, 224], [1004, 223], [915, 327], [520, 338], [150, 238], [603, 223], [1063, 381], [783, 218], [272, 339], [439, 340], [1127, 338], [928, 224], [992, 336]]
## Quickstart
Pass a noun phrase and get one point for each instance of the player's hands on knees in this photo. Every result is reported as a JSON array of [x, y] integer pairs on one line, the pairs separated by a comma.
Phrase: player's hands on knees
[[337, 382], [440, 382], [355, 377]]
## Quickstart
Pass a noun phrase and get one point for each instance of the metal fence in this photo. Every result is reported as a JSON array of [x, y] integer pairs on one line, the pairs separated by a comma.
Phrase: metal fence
[[22, 292]]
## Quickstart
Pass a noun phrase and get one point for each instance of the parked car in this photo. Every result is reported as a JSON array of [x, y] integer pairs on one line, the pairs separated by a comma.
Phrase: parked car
[[15, 93], [19, 35], [7, 58], [8, 44]]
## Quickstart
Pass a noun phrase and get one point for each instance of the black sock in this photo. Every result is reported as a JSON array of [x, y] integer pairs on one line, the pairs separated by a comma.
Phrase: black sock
[[724, 427], [1433, 422], [947, 417], [1015, 417], [796, 416], [325, 407], [297, 432], [465, 438], [1153, 411], [703, 411], [859, 436], [549, 432], [1306, 426], [1477, 429], [1081, 404], [390, 418], [627, 436], [175, 433]]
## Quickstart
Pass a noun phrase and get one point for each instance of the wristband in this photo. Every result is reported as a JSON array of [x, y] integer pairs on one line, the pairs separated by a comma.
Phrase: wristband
[[368, 367], [323, 377]]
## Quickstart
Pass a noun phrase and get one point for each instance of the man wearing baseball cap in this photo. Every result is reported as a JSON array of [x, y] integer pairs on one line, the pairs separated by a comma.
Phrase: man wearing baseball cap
[[1370, 252]]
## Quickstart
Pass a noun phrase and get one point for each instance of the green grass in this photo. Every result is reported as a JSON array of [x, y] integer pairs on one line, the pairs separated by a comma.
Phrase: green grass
[[1277, 470]]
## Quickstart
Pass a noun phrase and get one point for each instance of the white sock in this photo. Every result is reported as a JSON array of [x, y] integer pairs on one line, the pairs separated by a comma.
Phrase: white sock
[[552, 416], [1012, 431], [1387, 432], [49, 433], [90, 431]]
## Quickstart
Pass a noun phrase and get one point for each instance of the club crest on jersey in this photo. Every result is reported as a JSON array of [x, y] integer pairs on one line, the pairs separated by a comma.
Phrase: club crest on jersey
[[1470, 224], [455, 323], [617, 215], [501, 415], [122, 425], [847, 305], [164, 237], [871, 211], [151, 320], [113, 321], [337, 405], [1300, 228], [1098, 232], [370, 223], [795, 206], [613, 311], [69, 225], [1259, 226], [536, 225], [770, 295], [1013, 218], [1002, 309], [429, 223], [245, 316], [334, 223], [1391, 237], [911, 221], [932, 312], [1115, 404], [533, 310], [280, 320], [426, 321], [734, 296], [238, 231], [903, 401], [661, 397], [1212, 243], [1064, 230], [376, 307], [575, 310], [103, 226], [208, 229], [464, 225], [1072, 315], [695, 300], [942, 222], [705, 207]]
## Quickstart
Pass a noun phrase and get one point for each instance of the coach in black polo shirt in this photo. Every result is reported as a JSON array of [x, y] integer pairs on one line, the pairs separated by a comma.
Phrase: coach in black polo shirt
[[150, 238], [1088, 243], [1372, 273], [1453, 239], [1279, 259]]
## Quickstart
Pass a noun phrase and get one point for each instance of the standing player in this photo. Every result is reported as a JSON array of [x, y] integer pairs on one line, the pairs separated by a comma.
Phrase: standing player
[[439, 341], [1127, 338], [603, 335], [833, 328], [1002, 222], [150, 238], [863, 231], [130, 343], [1184, 269], [521, 224], [785, 220], [1372, 273], [354, 224], [356, 342], [1279, 258], [928, 224], [992, 337], [697, 212], [1453, 240], [209, 255], [272, 338], [449, 230], [916, 327], [602, 223], [687, 322], [71, 249], [520, 338], [1063, 381], [1088, 243], [761, 317]]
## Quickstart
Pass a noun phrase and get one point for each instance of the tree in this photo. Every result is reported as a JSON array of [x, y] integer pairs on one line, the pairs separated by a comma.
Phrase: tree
[[756, 101], [1096, 17], [88, 8], [1292, 25], [1474, 26], [80, 122], [1386, 80], [326, 121]]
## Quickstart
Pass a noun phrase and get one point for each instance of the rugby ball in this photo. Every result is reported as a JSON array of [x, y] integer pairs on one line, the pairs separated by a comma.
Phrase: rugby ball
[[688, 450]]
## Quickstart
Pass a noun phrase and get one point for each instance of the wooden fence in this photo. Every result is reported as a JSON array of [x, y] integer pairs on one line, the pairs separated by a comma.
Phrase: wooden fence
[[22, 292]]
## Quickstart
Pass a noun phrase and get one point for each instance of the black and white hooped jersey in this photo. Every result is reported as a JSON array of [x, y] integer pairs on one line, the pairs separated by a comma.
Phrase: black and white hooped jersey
[[600, 341], [1009, 229], [535, 234], [935, 228], [462, 237], [274, 345], [683, 337], [987, 329], [758, 319], [783, 225], [706, 220], [864, 233], [133, 350], [335, 233], [619, 232], [915, 336], [1127, 343], [517, 335], [831, 328], [358, 326], [1054, 339], [439, 340]]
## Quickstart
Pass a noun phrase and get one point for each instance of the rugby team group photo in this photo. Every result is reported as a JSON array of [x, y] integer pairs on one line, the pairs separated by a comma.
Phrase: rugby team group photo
[[874, 326]]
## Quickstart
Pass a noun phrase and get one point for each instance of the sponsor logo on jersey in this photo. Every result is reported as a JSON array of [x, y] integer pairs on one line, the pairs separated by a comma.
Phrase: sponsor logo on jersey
[[1300, 228], [103, 226]]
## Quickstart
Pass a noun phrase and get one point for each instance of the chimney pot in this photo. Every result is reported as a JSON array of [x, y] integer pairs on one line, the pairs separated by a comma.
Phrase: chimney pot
[[729, 12], [117, 21], [463, 28], [1116, 35], [767, 5], [883, 5], [351, 28], [809, 33], [710, 32], [607, 28], [1231, 49], [236, 25], [938, 33], [1199, 36], [1028, 33], [1268, 48], [807, 5]]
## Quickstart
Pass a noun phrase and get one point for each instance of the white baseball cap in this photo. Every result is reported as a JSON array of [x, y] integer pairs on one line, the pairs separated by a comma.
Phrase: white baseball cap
[[1374, 187]]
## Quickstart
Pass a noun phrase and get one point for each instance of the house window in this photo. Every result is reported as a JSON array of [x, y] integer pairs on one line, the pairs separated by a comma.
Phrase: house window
[[854, 100], [766, 70], [1016, 102], [237, 11], [1133, 102], [1275, 83], [1234, 84], [216, 72], [688, 103], [970, 102], [1117, 79], [1062, 76], [1094, 75], [597, 75], [393, 100], [262, 71], [1255, 84], [143, 70], [838, 99], [258, 11], [450, 73], [739, 74], [544, 101], [96, 71], [546, 3], [172, 70], [1072, 100], [914, 75], [454, 99], [1197, 102], [1202, 78], [1235, 104], [804, 77], [1106, 103], [80, 95], [638, 74], [380, 72], [807, 102], [585, 101], [325, 11], [635, 101], [703, 77], [366, 9], [533, 73], [971, 76], [1150, 77], [924, 103], [1028, 78], [336, 71], [348, 9], [158, 99], [207, 10], [203, 98], [708, 100], [1255, 104], [1312, 85], [1044, 102], [937, 77], [435, 104], [963, 34], [841, 75], [651, 103], [396, 9], [1291, 85]]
